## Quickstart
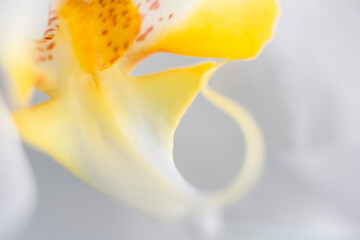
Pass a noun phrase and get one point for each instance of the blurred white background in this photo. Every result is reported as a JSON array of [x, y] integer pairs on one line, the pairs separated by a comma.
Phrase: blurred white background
[[304, 91]]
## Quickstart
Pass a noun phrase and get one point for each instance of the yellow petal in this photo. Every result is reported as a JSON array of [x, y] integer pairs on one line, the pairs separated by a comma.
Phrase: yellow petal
[[23, 73], [234, 29], [254, 152], [116, 133], [101, 30]]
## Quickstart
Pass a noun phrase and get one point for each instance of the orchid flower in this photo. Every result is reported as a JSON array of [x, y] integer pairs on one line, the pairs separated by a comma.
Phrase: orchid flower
[[116, 131]]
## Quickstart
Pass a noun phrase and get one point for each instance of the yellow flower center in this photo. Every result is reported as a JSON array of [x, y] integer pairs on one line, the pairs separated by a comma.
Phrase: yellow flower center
[[101, 30]]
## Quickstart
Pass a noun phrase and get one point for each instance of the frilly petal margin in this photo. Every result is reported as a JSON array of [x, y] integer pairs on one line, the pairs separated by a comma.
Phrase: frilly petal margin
[[17, 187]]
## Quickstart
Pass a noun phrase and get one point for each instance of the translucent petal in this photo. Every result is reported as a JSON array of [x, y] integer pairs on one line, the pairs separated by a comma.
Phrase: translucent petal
[[118, 136]]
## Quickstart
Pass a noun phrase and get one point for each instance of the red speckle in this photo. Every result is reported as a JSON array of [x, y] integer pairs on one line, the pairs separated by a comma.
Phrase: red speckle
[[51, 20], [144, 35], [114, 59], [104, 32], [49, 30], [49, 37], [170, 16], [51, 46], [155, 5], [160, 19]]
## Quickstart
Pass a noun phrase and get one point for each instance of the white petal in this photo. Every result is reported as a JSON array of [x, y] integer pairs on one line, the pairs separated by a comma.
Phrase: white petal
[[21, 19], [17, 191]]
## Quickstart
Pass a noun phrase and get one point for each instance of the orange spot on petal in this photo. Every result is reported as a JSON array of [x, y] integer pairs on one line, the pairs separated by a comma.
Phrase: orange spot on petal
[[51, 46], [144, 35]]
